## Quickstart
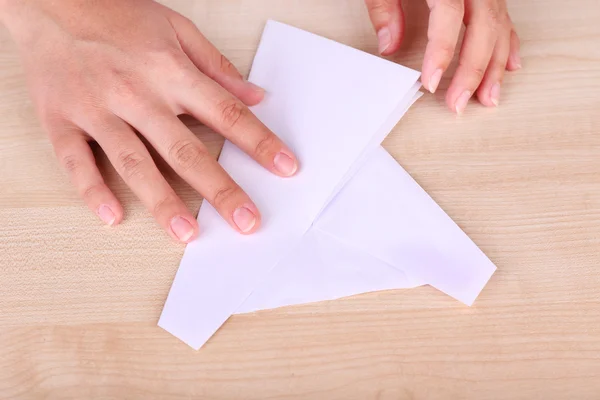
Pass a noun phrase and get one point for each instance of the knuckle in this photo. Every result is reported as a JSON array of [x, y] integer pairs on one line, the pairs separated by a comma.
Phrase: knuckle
[[493, 15], [266, 146], [225, 196], [122, 87], [167, 61], [497, 67], [506, 24], [445, 50], [456, 6], [225, 66], [91, 192], [98, 118], [131, 163], [231, 112], [164, 205], [181, 71], [181, 65], [71, 163], [380, 6], [472, 70], [187, 155], [172, 55], [52, 119], [194, 82], [167, 56]]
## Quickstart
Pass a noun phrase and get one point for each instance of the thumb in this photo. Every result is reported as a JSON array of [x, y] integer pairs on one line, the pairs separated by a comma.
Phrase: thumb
[[387, 17], [208, 59]]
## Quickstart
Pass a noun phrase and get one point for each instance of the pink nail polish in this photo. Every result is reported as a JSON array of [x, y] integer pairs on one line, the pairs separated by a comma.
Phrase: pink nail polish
[[385, 39], [495, 94], [434, 80], [244, 219], [461, 102], [106, 214], [182, 228], [284, 164]]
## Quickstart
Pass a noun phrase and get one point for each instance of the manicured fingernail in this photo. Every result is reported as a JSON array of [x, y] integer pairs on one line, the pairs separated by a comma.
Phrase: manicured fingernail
[[434, 80], [517, 61], [461, 102], [385, 39], [244, 219], [284, 164], [256, 88], [182, 228], [106, 214], [495, 94]]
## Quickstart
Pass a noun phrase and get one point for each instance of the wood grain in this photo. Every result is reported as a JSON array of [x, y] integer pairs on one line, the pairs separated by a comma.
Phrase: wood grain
[[80, 302]]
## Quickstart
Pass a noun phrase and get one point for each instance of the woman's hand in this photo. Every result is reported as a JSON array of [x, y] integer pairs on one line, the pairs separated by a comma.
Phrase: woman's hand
[[490, 45], [102, 70]]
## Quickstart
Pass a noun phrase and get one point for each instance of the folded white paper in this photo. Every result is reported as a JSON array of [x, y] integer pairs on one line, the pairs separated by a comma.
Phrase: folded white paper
[[351, 221]]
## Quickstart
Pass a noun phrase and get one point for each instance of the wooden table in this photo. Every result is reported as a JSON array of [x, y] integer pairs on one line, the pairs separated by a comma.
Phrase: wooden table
[[80, 301]]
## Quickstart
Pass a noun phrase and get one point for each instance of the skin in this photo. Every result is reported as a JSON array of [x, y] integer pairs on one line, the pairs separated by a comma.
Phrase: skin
[[102, 70], [490, 45], [107, 70]]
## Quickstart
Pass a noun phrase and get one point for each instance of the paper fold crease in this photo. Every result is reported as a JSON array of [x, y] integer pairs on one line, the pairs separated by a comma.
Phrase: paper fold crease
[[351, 221]]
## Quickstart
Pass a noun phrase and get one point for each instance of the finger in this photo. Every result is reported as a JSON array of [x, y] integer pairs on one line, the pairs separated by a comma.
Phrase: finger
[[478, 44], [488, 92], [214, 106], [190, 159], [211, 62], [514, 59], [76, 157], [387, 18], [445, 22], [133, 162]]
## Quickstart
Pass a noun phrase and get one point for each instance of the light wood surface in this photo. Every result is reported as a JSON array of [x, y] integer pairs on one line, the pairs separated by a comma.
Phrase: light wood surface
[[80, 301]]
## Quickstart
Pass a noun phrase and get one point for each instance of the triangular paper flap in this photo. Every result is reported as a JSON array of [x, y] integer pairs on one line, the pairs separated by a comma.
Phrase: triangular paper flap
[[412, 96], [396, 221], [327, 102], [321, 268]]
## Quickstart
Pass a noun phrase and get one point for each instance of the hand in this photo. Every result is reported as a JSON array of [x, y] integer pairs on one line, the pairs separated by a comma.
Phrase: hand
[[102, 70], [490, 45]]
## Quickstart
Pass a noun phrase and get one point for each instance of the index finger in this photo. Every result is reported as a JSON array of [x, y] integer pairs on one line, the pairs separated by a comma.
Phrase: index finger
[[210, 60], [210, 103], [445, 22]]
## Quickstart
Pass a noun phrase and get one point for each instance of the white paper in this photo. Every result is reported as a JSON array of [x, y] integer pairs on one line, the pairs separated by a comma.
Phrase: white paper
[[351, 221]]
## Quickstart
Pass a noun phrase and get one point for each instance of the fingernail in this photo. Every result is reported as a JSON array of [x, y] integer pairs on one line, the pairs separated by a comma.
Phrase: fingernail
[[495, 94], [385, 39], [106, 214], [284, 164], [244, 219], [517, 61], [461, 102], [434, 80], [182, 229], [256, 88]]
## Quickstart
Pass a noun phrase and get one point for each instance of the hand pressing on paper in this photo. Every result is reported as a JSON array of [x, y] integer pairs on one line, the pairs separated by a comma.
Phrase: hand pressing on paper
[[490, 45], [102, 70]]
